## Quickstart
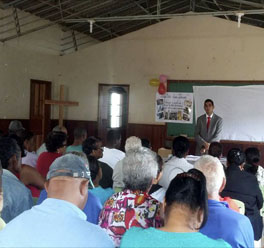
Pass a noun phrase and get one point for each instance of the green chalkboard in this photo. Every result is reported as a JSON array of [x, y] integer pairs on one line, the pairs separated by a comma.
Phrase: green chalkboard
[[175, 129]]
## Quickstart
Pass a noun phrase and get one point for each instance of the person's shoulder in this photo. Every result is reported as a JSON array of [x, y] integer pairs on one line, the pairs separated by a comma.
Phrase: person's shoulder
[[133, 237], [233, 218], [216, 243], [218, 117]]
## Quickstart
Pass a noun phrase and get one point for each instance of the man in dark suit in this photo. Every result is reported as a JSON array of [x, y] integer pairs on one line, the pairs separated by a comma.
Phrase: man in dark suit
[[208, 127]]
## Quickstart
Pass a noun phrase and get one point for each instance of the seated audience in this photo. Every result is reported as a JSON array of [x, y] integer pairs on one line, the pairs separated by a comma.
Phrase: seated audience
[[177, 163], [155, 187], [222, 222], [132, 142], [146, 143], [215, 150], [56, 146], [92, 207], [92, 146], [252, 164], [244, 187], [30, 157], [2, 223], [58, 221], [57, 128], [185, 213], [27, 174], [96, 175], [17, 198], [133, 206], [80, 135], [111, 152], [15, 127]]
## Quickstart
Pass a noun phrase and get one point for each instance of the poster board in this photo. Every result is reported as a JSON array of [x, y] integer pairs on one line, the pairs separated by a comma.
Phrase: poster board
[[174, 107]]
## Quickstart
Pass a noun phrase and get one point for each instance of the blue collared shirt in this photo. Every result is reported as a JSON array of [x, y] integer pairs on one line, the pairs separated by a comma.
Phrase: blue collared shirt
[[54, 223], [92, 207], [17, 197], [224, 223]]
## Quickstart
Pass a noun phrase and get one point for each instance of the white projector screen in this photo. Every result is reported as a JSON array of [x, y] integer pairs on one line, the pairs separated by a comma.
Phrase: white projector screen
[[241, 107]]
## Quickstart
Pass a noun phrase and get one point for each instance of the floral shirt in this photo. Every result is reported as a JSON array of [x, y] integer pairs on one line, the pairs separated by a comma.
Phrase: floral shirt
[[126, 209]]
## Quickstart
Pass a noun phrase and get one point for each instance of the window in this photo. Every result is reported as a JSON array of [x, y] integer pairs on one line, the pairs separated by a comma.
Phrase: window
[[117, 107], [115, 110]]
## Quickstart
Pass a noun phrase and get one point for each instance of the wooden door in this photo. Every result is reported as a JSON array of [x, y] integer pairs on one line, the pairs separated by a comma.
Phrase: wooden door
[[39, 112], [104, 122]]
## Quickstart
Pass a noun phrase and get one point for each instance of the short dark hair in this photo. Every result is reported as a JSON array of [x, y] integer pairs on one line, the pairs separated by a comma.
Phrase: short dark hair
[[93, 166], [55, 141], [79, 132], [215, 149], [113, 136], [252, 158], [8, 148], [146, 143], [27, 135], [189, 189], [180, 146], [236, 156], [209, 100], [19, 142], [89, 145]]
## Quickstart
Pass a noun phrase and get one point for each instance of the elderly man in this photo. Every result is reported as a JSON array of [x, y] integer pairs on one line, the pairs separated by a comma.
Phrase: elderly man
[[222, 222], [59, 220]]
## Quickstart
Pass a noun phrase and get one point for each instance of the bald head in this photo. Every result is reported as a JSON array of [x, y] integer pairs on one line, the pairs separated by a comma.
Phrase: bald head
[[213, 170], [74, 190]]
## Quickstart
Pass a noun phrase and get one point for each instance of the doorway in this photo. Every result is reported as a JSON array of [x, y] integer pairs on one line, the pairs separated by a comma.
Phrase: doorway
[[39, 122]]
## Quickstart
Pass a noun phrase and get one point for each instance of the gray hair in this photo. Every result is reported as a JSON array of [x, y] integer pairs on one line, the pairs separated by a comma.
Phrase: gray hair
[[213, 170], [132, 142], [59, 129], [140, 167]]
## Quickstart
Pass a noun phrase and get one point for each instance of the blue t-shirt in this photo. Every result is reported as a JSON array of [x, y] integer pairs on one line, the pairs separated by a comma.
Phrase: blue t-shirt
[[102, 194], [54, 223], [92, 207], [151, 237], [17, 197], [74, 148], [228, 225]]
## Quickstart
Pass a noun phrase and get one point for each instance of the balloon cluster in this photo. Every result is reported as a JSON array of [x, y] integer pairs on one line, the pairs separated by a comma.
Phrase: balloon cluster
[[161, 82]]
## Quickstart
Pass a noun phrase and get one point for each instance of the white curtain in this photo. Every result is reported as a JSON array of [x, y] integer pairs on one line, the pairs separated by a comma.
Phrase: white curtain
[[241, 107]]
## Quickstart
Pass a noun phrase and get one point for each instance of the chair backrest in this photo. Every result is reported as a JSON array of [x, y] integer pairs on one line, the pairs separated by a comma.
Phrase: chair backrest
[[241, 206], [164, 153]]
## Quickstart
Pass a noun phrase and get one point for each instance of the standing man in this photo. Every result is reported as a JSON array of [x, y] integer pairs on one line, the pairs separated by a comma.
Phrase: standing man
[[208, 127]]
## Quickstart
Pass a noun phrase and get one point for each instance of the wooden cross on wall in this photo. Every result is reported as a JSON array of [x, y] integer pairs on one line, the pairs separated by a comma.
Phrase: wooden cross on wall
[[61, 104]]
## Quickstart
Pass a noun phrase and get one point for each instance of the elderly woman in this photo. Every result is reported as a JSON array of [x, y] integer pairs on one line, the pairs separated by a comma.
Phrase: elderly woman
[[133, 206], [132, 142], [185, 213], [243, 186]]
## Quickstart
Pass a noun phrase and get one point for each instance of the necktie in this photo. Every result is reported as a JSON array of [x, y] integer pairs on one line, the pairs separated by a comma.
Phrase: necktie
[[208, 122]]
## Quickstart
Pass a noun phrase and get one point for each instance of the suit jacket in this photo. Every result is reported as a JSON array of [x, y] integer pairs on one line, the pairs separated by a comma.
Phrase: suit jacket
[[212, 135], [244, 187]]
